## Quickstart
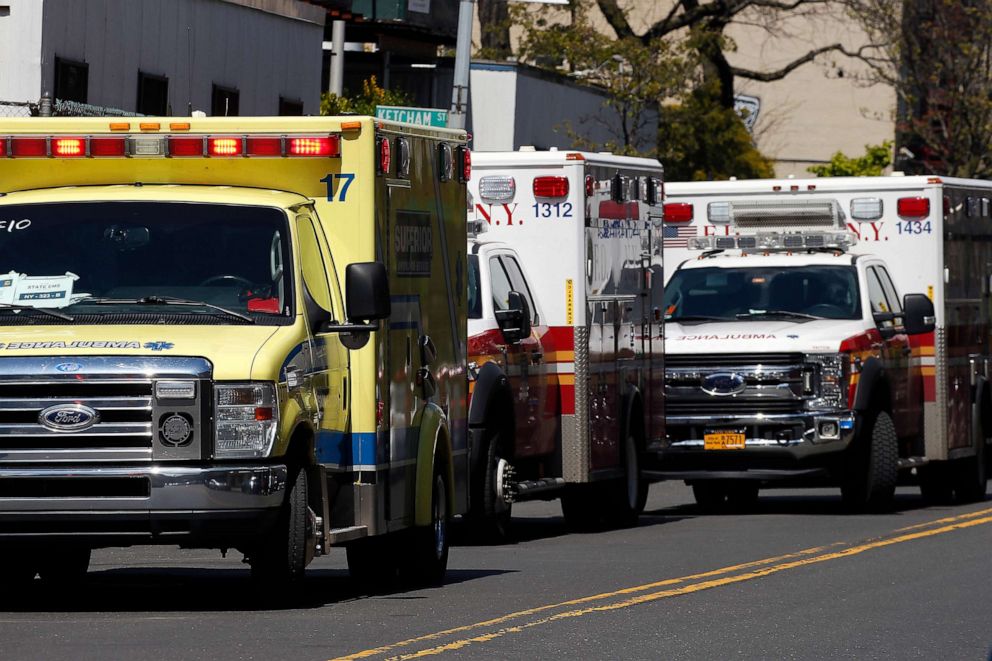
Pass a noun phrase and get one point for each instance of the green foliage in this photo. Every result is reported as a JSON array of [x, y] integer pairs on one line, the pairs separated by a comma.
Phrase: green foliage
[[361, 104], [699, 139], [871, 164]]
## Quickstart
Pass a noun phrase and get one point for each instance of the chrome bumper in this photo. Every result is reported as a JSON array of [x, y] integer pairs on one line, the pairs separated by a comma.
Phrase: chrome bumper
[[146, 489], [798, 435]]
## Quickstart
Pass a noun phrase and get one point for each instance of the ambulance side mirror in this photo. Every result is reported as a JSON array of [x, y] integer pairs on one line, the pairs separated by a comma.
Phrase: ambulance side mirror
[[514, 322], [919, 315], [366, 292]]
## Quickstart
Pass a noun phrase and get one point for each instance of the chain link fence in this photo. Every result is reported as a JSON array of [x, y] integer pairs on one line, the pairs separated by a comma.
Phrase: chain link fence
[[46, 107]]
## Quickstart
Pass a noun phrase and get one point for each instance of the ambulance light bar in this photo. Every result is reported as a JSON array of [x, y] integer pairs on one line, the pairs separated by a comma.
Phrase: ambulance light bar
[[760, 214], [169, 145], [778, 241], [497, 188]]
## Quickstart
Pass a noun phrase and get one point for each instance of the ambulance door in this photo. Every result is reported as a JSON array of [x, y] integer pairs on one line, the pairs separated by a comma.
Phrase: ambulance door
[[517, 358], [894, 349], [329, 372]]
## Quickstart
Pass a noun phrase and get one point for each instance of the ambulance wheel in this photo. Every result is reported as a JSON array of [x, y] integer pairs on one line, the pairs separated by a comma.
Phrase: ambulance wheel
[[489, 517], [629, 494], [872, 470], [429, 560], [282, 554], [935, 484], [971, 476], [710, 495], [65, 566]]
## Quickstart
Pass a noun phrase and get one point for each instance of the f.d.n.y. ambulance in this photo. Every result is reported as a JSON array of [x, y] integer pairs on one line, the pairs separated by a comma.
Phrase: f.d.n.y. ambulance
[[792, 356], [231, 333], [587, 228]]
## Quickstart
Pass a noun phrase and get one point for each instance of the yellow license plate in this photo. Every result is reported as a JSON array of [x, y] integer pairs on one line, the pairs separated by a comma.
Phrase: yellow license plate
[[723, 441]]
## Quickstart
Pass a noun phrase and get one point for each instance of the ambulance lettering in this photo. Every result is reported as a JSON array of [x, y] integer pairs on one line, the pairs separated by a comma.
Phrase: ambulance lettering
[[869, 232], [344, 183], [552, 209], [504, 213], [726, 336]]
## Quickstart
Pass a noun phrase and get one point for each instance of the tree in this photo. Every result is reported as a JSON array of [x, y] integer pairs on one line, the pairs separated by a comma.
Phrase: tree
[[361, 104], [937, 56], [871, 164], [494, 24]]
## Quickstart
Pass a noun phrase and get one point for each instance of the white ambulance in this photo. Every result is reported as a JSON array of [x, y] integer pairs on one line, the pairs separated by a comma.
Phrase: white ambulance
[[792, 358], [588, 230]]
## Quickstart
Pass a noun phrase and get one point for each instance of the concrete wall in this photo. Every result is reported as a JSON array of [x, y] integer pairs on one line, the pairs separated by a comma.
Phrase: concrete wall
[[20, 50], [513, 105], [264, 48]]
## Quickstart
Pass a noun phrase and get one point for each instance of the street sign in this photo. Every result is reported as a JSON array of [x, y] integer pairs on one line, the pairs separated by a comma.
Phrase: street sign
[[420, 116]]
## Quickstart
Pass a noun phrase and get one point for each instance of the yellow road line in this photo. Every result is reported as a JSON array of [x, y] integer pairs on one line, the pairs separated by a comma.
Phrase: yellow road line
[[796, 559], [949, 519], [695, 587], [575, 602]]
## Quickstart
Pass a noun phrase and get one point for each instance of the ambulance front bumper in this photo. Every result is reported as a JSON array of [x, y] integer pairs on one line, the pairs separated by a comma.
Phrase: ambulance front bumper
[[148, 504], [775, 445]]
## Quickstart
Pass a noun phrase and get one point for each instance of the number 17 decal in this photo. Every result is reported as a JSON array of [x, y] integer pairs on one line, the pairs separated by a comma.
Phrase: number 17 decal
[[345, 180]]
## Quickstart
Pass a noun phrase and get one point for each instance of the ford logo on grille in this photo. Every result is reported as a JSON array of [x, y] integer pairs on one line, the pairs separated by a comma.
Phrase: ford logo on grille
[[68, 417], [68, 367], [723, 384]]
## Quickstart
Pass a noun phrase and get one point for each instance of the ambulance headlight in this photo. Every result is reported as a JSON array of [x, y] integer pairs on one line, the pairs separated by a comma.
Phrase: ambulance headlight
[[829, 376], [246, 418]]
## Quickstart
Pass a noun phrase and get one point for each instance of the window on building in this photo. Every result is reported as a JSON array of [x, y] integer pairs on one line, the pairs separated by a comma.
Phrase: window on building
[[290, 107], [153, 94], [71, 80], [224, 102]]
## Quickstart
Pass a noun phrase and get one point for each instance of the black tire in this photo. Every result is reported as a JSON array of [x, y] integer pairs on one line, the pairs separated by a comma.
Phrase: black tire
[[971, 475], [489, 517], [710, 495], [626, 497], [66, 566], [429, 558], [282, 555], [871, 474]]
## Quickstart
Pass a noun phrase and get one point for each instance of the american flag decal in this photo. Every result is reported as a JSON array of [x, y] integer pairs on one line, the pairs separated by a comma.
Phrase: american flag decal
[[677, 236]]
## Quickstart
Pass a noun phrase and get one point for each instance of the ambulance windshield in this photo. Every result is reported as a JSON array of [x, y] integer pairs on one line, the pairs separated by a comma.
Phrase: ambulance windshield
[[798, 293], [148, 261]]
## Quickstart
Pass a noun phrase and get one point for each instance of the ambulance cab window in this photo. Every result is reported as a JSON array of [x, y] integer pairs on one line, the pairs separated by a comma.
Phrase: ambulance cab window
[[520, 284], [315, 275], [890, 289], [500, 284], [876, 296]]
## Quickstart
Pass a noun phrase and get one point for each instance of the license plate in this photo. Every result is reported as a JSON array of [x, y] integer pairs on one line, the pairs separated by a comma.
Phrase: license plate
[[723, 440]]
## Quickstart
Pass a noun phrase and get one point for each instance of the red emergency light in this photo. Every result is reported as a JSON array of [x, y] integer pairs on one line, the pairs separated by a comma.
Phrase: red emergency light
[[678, 212], [224, 146], [913, 207], [185, 146], [590, 185], [466, 163], [108, 146], [28, 147], [264, 146], [550, 187], [385, 156], [315, 146], [68, 147]]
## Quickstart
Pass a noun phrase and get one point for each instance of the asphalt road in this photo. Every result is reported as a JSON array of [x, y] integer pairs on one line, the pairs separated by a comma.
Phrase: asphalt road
[[797, 578]]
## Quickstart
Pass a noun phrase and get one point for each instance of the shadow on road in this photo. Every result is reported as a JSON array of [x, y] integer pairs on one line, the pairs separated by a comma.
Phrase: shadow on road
[[170, 589], [530, 529]]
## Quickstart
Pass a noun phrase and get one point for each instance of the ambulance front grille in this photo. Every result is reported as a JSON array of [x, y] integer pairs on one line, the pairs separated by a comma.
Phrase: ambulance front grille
[[122, 433]]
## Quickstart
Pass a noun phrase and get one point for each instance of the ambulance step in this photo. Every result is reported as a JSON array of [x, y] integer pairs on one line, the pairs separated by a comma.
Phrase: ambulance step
[[529, 489], [342, 535]]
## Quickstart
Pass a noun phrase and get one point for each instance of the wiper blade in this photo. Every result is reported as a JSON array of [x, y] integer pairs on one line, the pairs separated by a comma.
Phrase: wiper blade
[[48, 311], [777, 313], [166, 300]]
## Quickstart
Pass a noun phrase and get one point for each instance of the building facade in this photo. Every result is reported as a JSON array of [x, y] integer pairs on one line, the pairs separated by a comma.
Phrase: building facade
[[222, 57]]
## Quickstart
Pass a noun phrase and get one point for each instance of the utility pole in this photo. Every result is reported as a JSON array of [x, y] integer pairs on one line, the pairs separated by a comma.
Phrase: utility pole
[[336, 85], [463, 60]]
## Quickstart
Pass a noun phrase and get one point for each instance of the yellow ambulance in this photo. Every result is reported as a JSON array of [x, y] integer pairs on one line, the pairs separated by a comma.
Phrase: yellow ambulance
[[233, 333]]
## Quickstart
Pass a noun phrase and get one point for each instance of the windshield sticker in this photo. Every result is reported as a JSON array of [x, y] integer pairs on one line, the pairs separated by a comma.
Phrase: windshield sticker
[[14, 225], [45, 291], [87, 344]]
